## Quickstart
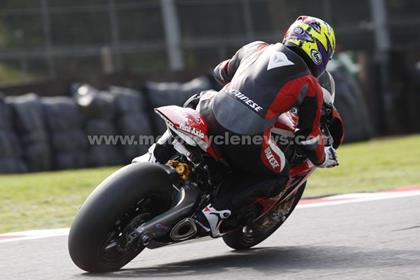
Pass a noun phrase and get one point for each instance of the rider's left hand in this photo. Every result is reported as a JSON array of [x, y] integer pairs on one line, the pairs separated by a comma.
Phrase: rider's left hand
[[330, 158]]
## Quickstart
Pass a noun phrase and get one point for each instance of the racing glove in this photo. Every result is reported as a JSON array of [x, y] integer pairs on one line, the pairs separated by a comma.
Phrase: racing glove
[[330, 158]]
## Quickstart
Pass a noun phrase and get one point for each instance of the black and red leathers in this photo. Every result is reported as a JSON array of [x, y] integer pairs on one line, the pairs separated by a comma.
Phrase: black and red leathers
[[262, 81]]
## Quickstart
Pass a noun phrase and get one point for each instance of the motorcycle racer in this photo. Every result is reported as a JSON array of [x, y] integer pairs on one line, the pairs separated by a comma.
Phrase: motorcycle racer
[[262, 81]]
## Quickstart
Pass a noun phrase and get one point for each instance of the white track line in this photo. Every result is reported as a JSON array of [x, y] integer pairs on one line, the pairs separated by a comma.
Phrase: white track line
[[307, 203], [33, 234], [357, 198]]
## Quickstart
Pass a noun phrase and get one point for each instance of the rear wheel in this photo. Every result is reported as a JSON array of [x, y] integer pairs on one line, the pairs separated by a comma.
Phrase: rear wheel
[[99, 239], [265, 226]]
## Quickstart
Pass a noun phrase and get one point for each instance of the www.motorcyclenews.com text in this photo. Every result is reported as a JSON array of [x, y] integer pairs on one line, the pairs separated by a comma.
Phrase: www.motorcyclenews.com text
[[226, 139]]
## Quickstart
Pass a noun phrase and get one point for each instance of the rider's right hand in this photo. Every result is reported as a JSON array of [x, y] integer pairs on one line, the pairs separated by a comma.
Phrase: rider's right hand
[[330, 158]]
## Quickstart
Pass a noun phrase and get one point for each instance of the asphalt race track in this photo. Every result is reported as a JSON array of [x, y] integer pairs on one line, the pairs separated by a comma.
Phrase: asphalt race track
[[365, 240]]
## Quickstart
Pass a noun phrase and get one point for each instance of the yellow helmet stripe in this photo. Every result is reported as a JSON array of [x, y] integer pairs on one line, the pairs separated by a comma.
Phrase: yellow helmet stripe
[[324, 36]]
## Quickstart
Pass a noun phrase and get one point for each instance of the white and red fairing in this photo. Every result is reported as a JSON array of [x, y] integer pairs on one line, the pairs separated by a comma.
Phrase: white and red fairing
[[188, 124]]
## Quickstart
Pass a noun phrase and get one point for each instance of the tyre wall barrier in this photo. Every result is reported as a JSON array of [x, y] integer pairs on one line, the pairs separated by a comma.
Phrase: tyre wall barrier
[[54, 133]]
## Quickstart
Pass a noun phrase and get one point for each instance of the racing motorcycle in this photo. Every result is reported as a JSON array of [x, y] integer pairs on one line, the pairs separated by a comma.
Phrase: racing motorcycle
[[150, 205]]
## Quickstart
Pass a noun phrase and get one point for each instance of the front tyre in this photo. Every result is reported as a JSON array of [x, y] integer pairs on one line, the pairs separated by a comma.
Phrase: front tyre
[[265, 226], [99, 238]]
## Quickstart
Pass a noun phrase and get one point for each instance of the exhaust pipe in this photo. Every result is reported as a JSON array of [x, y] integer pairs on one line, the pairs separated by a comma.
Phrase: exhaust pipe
[[165, 222], [183, 230]]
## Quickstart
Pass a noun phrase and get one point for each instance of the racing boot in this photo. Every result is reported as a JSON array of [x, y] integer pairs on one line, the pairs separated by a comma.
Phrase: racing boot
[[210, 220]]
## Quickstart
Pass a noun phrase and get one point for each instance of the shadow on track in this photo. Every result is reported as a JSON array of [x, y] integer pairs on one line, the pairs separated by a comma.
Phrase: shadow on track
[[273, 260]]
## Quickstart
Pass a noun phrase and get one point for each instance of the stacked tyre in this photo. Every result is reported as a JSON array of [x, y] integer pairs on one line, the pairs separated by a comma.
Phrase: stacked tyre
[[132, 121], [10, 149], [98, 109], [28, 119], [65, 126], [352, 107]]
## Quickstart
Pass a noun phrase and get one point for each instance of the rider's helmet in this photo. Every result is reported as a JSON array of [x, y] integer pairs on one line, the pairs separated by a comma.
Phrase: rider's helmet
[[314, 40]]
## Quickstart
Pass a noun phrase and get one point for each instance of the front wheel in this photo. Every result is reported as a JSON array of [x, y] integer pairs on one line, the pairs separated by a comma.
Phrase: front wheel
[[266, 225], [99, 239]]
